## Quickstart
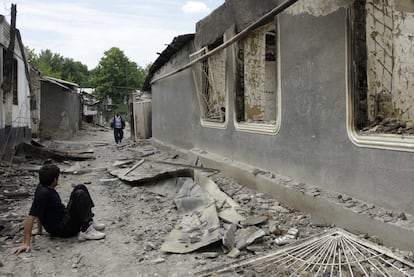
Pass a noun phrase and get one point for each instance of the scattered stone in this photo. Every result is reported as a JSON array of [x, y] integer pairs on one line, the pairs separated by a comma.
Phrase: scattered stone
[[158, 260], [293, 232], [290, 236], [279, 209], [274, 228], [402, 216], [350, 204], [256, 249], [9, 229], [229, 239], [104, 180], [210, 255], [149, 246], [255, 220], [245, 237], [314, 192], [234, 253]]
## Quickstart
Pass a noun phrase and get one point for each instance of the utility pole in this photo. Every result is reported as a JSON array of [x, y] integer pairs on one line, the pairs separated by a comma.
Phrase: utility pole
[[9, 54], [8, 67]]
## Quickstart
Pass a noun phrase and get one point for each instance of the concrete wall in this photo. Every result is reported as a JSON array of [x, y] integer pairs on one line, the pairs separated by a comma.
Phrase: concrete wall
[[312, 145], [59, 112]]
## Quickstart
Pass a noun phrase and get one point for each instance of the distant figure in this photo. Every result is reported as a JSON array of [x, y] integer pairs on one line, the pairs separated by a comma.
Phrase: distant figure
[[60, 221], [118, 124]]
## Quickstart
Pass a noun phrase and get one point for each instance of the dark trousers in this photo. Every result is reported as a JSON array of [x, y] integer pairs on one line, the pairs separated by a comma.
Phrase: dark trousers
[[78, 212], [118, 134]]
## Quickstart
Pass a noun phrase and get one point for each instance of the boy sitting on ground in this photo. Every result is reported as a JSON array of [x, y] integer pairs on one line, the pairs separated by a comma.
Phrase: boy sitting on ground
[[50, 213]]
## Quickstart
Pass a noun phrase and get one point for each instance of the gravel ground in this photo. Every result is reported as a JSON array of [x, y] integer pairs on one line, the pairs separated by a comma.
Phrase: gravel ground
[[137, 220]]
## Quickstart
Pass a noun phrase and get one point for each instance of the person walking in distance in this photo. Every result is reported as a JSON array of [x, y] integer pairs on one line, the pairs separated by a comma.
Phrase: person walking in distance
[[59, 221], [118, 124]]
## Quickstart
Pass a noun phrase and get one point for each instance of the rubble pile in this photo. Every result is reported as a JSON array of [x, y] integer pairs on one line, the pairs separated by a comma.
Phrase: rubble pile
[[391, 126], [16, 184], [163, 213]]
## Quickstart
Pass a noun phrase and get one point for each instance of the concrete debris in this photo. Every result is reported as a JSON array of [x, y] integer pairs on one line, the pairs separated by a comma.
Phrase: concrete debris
[[274, 228], [255, 220], [210, 255], [106, 180], [191, 233], [158, 260], [200, 203], [290, 236], [245, 237], [149, 171], [8, 229], [192, 212], [234, 253], [57, 155], [229, 237], [255, 248], [76, 169]]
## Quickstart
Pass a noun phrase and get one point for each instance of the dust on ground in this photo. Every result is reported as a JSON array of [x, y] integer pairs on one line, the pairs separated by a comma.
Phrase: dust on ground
[[137, 221]]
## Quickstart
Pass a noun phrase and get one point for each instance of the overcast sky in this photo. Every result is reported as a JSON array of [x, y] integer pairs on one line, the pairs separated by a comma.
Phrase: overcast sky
[[83, 30]]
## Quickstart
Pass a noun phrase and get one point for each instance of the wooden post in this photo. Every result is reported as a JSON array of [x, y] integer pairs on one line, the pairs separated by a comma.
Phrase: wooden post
[[9, 53]]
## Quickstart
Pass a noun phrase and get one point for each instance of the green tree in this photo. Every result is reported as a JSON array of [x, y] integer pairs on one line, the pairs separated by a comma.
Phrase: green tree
[[55, 65], [74, 71], [116, 76]]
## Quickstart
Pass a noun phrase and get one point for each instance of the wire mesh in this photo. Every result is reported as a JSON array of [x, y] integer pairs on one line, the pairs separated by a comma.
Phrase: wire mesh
[[334, 253]]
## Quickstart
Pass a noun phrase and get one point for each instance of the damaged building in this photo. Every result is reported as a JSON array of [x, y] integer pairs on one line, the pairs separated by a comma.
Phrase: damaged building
[[318, 91], [15, 89]]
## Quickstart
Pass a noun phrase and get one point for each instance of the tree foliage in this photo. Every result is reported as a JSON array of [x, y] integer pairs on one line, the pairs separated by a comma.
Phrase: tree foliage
[[55, 65], [116, 76]]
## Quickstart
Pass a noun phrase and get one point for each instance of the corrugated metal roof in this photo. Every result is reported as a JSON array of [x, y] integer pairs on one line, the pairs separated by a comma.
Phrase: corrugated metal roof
[[62, 83], [177, 43]]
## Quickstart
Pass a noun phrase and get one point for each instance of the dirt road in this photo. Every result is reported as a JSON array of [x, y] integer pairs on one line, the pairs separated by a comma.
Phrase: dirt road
[[137, 222]]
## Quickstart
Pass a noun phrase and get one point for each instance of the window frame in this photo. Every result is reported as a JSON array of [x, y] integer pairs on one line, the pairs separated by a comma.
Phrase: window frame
[[394, 142], [265, 128], [199, 90]]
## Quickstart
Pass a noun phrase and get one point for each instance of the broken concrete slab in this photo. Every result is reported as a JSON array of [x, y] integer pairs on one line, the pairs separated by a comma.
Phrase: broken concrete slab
[[46, 153], [199, 225], [196, 229], [198, 199], [229, 210], [77, 168], [148, 172], [180, 187], [234, 253], [247, 236], [255, 220], [229, 237]]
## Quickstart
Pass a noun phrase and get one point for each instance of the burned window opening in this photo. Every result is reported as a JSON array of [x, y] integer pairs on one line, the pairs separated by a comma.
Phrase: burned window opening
[[380, 105], [271, 46], [256, 88], [10, 76], [14, 82], [209, 76]]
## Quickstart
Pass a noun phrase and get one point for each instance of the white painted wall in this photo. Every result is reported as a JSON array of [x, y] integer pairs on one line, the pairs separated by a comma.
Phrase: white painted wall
[[21, 112]]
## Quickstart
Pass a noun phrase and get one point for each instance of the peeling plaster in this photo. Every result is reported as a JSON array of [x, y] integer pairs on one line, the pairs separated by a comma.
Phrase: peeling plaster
[[403, 74], [217, 96], [390, 45], [317, 7]]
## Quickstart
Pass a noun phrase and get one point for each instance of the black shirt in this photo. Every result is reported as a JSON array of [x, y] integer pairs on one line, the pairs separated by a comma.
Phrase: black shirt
[[48, 207]]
